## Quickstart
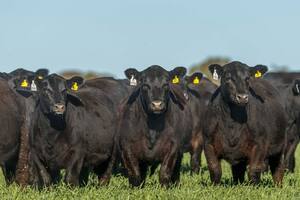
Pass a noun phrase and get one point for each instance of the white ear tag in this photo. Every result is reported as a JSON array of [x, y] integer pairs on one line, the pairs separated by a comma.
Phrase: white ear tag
[[215, 75], [133, 81], [297, 88], [33, 86]]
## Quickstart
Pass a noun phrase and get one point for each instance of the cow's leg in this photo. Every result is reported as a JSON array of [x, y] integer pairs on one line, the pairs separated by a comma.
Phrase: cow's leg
[[84, 176], [238, 172], [290, 155], [9, 172], [292, 142], [292, 163], [196, 149], [168, 164], [73, 169], [55, 176], [176, 173], [214, 164], [133, 169], [143, 170], [276, 163], [256, 164], [105, 177], [43, 175]]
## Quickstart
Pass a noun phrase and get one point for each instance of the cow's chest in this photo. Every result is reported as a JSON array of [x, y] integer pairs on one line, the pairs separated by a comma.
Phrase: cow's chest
[[154, 145], [233, 140]]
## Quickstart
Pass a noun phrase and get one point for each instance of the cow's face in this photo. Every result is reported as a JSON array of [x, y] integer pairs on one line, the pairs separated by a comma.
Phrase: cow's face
[[54, 93], [235, 79], [154, 87]]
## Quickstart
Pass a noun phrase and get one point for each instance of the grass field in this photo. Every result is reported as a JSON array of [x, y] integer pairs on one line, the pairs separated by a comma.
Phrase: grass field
[[191, 187]]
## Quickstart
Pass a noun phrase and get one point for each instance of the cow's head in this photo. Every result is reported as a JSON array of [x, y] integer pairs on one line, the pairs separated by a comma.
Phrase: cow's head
[[155, 86], [235, 77], [296, 87], [55, 92], [23, 80]]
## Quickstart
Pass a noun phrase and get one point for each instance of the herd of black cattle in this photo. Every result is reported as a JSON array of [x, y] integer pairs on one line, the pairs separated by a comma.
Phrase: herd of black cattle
[[49, 123]]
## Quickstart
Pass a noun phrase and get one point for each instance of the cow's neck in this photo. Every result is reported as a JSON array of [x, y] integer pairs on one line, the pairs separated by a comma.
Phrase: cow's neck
[[56, 122], [236, 113], [154, 123]]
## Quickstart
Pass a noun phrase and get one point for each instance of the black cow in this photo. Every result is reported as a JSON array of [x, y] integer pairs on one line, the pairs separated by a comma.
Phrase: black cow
[[154, 125], [13, 122], [245, 125], [74, 130], [288, 85], [198, 92]]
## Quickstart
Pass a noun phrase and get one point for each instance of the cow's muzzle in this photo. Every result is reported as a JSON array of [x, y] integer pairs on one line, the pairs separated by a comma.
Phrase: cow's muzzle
[[59, 108], [242, 99], [157, 106]]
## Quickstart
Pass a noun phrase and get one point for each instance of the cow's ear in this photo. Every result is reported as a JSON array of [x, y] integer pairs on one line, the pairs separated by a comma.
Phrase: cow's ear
[[216, 71], [133, 75], [258, 71], [134, 95], [5, 76], [296, 87], [40, 74], [25, 86], [74, 99], [177, 95], [194, 78], [177, 74], [75, 83]]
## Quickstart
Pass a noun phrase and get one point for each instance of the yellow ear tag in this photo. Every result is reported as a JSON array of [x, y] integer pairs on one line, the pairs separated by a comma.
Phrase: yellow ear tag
[[24, 83], [175, 80], [74, 86], [257, 74], [196, 80], [40, 77]]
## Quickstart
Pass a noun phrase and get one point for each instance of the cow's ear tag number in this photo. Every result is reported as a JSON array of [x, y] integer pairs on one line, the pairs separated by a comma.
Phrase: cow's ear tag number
[[175, 80], [24, 83], [196, 80], [133, 81], [33, 86], [257, 74], [215, 75], [74, 86]]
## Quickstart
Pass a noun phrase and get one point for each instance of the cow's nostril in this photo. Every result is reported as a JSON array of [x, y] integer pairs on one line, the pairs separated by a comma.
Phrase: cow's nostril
[[242, 97], [59, 107], [156, 103]]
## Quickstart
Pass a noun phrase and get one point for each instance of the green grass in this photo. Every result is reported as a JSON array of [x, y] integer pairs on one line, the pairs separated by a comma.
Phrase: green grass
[[191, 187]]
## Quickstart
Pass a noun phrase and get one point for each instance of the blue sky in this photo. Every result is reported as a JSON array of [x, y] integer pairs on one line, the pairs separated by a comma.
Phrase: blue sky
[[110, 36]]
